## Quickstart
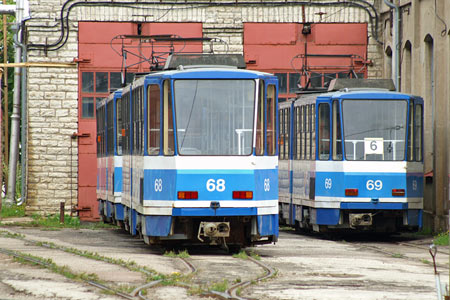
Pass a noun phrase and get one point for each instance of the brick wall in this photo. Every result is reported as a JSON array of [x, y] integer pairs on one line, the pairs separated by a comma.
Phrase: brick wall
[[53, 92]]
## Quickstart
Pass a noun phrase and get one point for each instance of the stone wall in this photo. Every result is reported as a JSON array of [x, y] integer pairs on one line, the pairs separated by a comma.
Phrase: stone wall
[[53, 92], [425, 38]]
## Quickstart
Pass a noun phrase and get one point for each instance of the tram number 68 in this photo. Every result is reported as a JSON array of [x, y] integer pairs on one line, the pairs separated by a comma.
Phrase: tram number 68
[[374, 185], [215, 185], [158, 185]]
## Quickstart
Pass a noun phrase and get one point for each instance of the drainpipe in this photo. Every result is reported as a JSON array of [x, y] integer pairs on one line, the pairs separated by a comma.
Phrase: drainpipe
[[396, 52], [24, 129], [15, 117]]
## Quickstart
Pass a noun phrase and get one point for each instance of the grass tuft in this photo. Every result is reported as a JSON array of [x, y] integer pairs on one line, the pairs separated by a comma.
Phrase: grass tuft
[[441, 239], [12, 211]]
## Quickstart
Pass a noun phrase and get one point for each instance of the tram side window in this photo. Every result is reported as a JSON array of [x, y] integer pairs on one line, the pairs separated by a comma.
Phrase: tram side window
[[287, 120], [337, 138], [168, 120], [154, 120], [302, 131], [307, 133], [119, 126], [126, 122], [281, 141], [313, 131], [110, 129], [99, 131], [271, 137], [134, 108], [259, 147], [418, 139], [296, 134], [411, 133], [324, 131], [141, 120]]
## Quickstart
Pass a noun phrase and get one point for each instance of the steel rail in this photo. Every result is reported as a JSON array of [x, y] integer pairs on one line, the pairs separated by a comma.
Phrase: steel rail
[[269, 272], [48, 266]]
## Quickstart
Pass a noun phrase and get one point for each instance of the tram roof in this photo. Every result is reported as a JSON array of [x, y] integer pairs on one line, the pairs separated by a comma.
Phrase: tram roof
[[366, 94], [210, 72]]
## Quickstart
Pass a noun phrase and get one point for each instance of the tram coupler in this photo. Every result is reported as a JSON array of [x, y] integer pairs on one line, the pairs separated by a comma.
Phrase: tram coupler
[[360, 219], [213, 230]]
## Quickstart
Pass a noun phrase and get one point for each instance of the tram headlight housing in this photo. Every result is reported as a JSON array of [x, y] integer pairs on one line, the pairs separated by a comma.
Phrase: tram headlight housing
[[187, 195], [398, 192], [242, 195], [351, 192]]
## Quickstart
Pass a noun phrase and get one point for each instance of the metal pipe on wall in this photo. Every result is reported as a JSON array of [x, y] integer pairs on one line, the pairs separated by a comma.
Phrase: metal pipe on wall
[[396, 52], [15, 117]]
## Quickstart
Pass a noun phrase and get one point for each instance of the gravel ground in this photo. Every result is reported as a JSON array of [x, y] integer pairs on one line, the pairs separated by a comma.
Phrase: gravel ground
[[308, 267]]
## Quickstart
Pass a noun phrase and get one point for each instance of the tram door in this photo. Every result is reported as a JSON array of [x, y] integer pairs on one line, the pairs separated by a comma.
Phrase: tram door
[[99, 71]]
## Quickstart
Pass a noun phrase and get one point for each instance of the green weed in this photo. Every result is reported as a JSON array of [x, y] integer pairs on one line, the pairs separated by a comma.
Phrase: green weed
[[12, 211], [241, 255], [219, 286], [180, 254], [397, 255], [441, 239]]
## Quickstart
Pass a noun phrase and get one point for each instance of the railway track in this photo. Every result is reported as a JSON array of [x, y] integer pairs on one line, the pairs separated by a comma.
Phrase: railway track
[[139, 292], [233, 292]]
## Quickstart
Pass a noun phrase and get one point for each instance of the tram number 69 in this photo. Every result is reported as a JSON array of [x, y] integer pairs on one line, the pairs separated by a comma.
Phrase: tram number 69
[[374, 185], [215, 185], [266, 184]]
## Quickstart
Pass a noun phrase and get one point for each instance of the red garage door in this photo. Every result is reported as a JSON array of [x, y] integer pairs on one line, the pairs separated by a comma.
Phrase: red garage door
[[99, 71], [329, 50]]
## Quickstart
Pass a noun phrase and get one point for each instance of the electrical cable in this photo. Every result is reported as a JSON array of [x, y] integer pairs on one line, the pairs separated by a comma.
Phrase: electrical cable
[[68, 6]]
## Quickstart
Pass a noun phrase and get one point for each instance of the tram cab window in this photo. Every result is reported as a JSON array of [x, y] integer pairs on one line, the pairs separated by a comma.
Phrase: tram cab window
[[337, 139], [324, 131], [138, 121], [271, 120], [168, 120], [154, 122], [259, 147], [418, 139], [375, 129], [411, 139]]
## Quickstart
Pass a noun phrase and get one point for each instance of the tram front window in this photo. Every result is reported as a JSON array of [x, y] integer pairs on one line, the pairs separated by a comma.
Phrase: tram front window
[[374, 129], [214, 117]]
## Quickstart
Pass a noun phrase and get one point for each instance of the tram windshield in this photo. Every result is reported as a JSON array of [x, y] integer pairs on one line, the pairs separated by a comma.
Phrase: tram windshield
[[374, 129], [214, 117]]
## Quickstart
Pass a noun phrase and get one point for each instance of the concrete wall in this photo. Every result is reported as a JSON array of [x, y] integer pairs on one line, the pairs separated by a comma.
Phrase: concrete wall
[[425, 64], [53, 92]]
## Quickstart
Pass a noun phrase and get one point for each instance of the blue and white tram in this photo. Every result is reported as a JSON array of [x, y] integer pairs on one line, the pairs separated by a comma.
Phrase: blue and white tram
[[109, 162], [352, 159], [200, 158]]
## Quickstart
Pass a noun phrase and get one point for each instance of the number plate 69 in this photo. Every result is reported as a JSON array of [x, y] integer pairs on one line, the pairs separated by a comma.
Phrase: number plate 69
[[374, 185]]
